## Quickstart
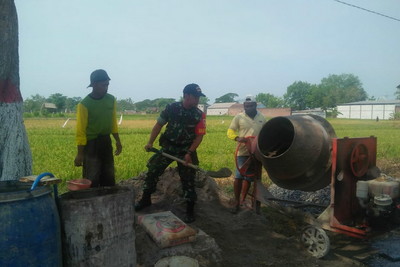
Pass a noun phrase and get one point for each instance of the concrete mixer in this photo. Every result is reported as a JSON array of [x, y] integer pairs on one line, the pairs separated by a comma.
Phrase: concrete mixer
[[302, 152]]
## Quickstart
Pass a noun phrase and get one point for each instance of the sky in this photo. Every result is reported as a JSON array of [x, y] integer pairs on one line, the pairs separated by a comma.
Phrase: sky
[[153, 48]]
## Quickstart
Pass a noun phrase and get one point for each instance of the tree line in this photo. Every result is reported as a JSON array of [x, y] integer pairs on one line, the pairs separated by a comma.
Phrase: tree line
[[333, 90], [300, 95]]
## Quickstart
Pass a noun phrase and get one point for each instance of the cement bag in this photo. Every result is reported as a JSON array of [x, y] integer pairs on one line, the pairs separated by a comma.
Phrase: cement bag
[[166, 229]]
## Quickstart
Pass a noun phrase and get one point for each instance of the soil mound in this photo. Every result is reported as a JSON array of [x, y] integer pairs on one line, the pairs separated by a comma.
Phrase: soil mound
[[243, 239]]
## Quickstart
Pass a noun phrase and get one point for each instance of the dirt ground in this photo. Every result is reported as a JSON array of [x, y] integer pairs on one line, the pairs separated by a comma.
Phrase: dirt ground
[[247, 238]]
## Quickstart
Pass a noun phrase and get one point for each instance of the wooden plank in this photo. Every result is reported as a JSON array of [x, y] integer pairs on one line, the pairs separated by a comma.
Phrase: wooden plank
[[44, 181]]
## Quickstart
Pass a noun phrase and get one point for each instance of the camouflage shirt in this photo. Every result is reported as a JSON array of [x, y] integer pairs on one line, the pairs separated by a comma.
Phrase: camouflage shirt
[[182, 125]]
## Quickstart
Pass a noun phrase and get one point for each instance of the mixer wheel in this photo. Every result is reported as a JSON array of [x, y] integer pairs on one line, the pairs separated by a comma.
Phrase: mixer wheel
[[315, 241]]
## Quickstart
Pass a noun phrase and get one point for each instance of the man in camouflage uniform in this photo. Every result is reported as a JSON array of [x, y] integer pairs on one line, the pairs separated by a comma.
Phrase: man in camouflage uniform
[[185, 128]]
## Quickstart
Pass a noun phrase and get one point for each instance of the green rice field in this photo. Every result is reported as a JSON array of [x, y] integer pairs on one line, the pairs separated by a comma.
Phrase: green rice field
[[53, 146]]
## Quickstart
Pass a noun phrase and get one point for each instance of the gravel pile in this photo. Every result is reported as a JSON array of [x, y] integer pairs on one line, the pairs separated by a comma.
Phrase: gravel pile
[[319, 197]]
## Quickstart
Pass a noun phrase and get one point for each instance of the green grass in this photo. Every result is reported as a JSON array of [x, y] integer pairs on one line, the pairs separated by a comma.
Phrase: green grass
[[53, 147]]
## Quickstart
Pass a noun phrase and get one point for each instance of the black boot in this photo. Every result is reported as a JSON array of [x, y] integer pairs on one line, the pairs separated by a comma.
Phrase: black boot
[[189, 212], [144, 202]]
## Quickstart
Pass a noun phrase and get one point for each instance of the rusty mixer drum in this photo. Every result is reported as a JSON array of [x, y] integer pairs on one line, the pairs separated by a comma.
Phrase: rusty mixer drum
[[296, 151]]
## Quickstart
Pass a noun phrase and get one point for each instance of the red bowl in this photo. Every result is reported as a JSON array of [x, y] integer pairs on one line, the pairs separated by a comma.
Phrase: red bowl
[[79, 184]]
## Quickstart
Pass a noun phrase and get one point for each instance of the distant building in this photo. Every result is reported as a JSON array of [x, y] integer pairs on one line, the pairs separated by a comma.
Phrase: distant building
[[50, 107], [275, 112], [316, 111], [220, 108], [371, 110], [129, 112], [232, 109]]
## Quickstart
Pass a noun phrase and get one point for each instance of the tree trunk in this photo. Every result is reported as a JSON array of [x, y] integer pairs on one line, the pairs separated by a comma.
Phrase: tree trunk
[[15, 154]]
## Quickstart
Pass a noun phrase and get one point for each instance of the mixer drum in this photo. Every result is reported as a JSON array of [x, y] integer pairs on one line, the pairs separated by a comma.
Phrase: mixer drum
[[296, 151]]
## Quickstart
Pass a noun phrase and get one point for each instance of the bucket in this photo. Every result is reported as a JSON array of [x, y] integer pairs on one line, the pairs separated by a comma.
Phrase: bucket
[[29, 226], [296, 151], [98, 227]]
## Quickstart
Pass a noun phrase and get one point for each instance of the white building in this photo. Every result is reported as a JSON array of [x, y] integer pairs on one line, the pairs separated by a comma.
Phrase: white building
[[219, 108], [317, 111], [370, 110]]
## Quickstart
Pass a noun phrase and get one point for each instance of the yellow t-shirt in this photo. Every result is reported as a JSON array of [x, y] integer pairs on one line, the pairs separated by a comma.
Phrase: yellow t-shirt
[[244, 126]]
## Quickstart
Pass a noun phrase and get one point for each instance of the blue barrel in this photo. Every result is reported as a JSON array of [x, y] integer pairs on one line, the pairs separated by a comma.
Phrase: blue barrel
[[30, 232]]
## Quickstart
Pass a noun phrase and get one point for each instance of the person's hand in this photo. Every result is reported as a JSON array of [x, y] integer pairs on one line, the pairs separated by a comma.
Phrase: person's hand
[[78, 160], [241, 139], [188, 159], [147, 147], [118, 150]]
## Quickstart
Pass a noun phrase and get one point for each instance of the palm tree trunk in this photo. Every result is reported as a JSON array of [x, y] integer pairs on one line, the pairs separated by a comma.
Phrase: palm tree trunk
[[15, 154]]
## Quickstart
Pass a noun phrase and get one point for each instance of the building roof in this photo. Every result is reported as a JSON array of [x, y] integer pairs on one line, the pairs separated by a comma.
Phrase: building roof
[[221, 105], [240, 105], [49, 105], [308, 110], [379, 102]]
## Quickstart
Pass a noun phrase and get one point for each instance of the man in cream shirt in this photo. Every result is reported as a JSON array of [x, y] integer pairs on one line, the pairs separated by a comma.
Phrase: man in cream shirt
[[248, 123]]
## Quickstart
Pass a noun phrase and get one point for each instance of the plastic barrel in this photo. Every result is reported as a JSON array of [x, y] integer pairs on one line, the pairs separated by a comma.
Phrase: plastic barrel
[[29, 226], [98, 227], [296, 151]]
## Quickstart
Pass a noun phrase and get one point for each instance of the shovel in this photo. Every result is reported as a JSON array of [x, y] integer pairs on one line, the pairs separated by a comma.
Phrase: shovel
[[221, 173]]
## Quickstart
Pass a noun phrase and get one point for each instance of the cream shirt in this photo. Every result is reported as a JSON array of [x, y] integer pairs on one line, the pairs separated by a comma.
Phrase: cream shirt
[[244, 126]]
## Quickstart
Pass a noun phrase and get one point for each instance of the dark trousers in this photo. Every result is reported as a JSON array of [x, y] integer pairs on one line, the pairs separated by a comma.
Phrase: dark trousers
[[98, 162], [158, 163]]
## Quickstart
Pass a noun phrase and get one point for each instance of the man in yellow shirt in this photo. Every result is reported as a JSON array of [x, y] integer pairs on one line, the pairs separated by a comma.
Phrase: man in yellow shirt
[[96, 120], [243, 125]]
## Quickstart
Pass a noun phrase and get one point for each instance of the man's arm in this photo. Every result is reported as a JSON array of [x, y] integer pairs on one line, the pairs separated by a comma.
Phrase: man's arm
[[118, 144], [196, 142], [81, 125], [153, 135], [232, 132], [114, 130], [79, 156]]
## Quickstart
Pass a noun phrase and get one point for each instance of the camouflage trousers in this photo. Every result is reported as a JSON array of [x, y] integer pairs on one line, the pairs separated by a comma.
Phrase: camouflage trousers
[[158, 163]]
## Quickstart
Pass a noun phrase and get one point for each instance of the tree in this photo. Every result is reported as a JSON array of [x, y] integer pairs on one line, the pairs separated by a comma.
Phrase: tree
[[59, 100], [229, 97], [161, 103], [339, 89], [204, 100], [315, 97], [143, 105], [397, 93], [152, 106], [297, 94], [15, 153], [269, 100], [34, 103], [333, 90], [71, 103], [125, 104]]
